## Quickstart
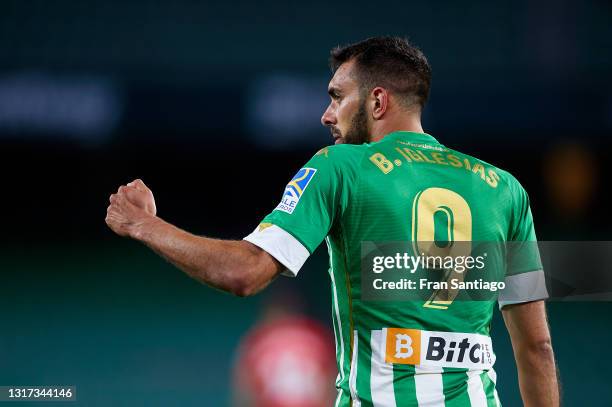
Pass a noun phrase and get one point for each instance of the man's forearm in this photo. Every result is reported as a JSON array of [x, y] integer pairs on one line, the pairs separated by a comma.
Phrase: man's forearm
[[528, 328], [233, 266], [538, 375]]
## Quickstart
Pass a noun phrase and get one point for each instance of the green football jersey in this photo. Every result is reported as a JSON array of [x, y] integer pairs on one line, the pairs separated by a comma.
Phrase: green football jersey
[[434, 352]]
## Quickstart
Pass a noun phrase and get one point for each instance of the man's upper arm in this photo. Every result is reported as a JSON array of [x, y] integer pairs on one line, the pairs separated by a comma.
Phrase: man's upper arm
[[264, 268], [533, 352], [527, 324]]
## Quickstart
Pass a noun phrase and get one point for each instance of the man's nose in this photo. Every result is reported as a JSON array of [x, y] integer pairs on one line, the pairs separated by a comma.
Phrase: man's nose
[[328, 118]]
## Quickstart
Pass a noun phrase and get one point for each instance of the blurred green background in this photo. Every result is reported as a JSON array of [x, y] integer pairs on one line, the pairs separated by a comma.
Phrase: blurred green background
[[128, 329]]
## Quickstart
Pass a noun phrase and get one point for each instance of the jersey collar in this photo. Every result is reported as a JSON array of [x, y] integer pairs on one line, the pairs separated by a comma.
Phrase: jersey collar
[[412, 136]]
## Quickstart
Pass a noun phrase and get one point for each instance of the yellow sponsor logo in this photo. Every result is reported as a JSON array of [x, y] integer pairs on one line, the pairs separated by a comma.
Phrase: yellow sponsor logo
[[263, 226], [324, 151]]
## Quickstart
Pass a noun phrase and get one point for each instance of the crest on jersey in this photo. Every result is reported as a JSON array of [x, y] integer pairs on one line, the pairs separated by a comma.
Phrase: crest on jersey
[[294, 190]]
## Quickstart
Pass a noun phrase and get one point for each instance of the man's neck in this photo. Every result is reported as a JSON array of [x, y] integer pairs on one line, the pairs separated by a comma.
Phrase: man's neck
[[381, 128]]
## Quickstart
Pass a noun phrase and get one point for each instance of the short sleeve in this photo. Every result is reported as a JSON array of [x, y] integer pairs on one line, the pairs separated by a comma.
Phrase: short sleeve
[[521, 228], [524, 280], [308, 208]]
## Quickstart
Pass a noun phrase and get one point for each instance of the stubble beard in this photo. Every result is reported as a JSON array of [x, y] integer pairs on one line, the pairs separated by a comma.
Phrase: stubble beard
[[358, 133]]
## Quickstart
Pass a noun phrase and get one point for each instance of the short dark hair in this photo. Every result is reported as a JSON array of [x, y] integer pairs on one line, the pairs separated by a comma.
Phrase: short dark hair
[[390, 62]]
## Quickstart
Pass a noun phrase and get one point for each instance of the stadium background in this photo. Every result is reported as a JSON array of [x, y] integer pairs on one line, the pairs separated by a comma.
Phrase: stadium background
[[216, 106]]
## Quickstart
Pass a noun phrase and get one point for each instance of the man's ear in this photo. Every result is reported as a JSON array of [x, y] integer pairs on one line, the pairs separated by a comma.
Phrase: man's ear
[[380, 102]]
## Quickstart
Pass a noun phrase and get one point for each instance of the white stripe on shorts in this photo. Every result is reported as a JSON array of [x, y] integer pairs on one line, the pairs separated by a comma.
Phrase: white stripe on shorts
[[429, 386], [478, 397], [381, 373], [493, 376], [353, 373]]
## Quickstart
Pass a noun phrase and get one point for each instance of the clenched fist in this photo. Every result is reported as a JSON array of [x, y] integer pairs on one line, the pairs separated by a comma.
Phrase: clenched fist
[[130, 207]]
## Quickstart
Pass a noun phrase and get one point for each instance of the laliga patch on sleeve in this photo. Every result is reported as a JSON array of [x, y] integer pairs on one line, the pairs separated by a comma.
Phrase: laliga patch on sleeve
[[294, 190]]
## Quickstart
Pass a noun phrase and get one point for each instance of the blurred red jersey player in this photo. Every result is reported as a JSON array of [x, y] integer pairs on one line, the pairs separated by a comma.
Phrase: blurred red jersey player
[[286, 360]]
